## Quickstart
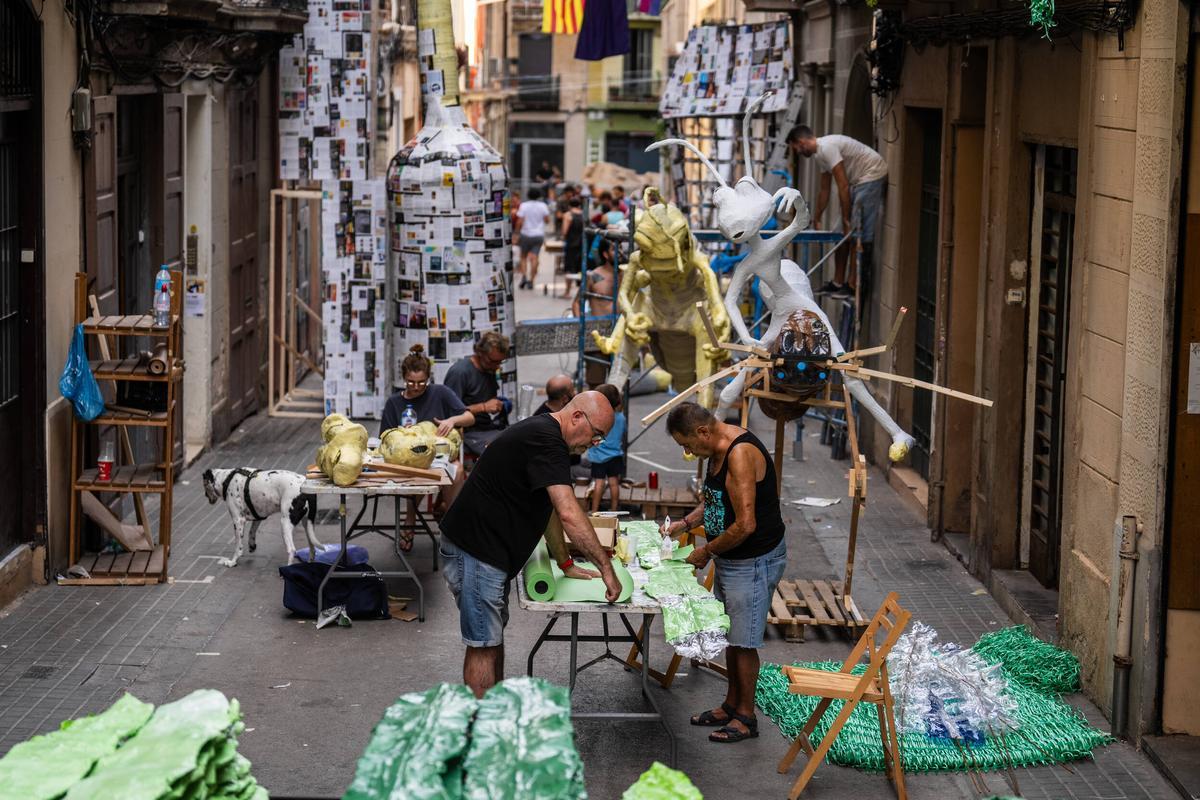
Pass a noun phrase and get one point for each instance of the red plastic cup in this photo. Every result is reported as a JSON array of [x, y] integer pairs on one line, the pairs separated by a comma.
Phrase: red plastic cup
[[104, 463], [652, 480]]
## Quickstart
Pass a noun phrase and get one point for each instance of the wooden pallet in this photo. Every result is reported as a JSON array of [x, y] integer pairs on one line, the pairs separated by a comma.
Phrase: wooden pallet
[[654, 502], [120, 569], [800, 603]]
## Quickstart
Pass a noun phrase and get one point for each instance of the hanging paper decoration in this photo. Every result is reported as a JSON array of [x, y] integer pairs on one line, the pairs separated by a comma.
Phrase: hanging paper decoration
[[562, 16], [450, 252], [725, 67], [1041, 15], [324, 135], [604, 32]]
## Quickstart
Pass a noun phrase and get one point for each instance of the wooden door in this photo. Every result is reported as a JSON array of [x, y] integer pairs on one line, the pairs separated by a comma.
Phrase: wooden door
[[167, 215], [22, 475], [243, 253], [928, 249], [1055, 229]]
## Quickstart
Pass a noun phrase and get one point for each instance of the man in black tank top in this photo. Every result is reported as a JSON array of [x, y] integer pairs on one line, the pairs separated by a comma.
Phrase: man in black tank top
[[744, 528]]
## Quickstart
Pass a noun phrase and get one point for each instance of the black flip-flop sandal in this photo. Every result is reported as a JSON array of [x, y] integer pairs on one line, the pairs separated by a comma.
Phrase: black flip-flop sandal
[[406, 542], [730, 734], [708, 720]]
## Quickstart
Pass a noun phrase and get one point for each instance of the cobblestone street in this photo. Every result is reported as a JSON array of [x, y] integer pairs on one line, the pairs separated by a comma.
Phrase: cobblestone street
[[311, 697]]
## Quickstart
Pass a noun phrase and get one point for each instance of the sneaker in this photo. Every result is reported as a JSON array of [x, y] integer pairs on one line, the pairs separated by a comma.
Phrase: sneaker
[[843, 292], [828, 288]]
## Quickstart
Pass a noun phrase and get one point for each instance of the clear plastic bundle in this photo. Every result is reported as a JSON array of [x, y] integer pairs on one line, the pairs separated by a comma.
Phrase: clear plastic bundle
[[944, 691], [695, 626]]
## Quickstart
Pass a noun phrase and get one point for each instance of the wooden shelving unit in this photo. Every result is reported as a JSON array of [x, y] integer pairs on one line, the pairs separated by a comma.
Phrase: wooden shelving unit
[[144, 566]]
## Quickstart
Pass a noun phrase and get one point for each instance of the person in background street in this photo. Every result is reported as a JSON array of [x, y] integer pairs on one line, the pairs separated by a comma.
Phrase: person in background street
[[607, 459], [519, 491], [601, 278], [433, 403], [860, 173], [563, 205], [601, 205], [560, 390], [544, 178], [533, 214], [618, 197], [744, 530], [571, 230], [474, 381]]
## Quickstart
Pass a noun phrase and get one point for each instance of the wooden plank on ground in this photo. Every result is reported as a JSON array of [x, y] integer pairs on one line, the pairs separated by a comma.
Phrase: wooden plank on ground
[[87, 561], [103, 564], [815, 607], [826, 591]]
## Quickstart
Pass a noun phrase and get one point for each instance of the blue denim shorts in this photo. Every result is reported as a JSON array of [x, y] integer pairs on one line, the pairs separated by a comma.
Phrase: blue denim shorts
[[481, 592], [866, 203], [746, 586]]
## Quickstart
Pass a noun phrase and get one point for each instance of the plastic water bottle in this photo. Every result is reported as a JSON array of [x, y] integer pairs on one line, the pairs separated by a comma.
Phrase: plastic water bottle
[[162, 308], [163, 278], [409, 417]]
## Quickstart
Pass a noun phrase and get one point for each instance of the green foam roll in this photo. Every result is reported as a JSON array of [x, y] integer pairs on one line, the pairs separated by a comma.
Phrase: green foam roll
[[539, 574], [544, 581]]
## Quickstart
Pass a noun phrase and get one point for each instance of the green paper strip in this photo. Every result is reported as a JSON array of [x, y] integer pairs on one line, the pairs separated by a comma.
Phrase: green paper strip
[[544, 581]]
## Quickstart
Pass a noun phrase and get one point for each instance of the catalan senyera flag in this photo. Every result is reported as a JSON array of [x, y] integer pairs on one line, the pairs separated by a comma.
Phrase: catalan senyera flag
[[561, 16]]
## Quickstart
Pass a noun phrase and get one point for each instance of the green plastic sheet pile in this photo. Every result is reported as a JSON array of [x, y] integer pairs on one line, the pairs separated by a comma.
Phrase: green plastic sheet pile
[[181, 750], [187, 751], [45, 767], [523, 745], [647, 541], [516, 743], [660, 782], [694, 622], [416, 750], [1048, 731], [1025, 658]]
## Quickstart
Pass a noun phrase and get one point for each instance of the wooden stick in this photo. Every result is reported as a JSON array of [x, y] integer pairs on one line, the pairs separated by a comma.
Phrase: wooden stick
[[292, 349], [708, 326], [126, 444], [688, 392], [866, 351], [891, 339], [271, 404], [745, 348], [933, 387]]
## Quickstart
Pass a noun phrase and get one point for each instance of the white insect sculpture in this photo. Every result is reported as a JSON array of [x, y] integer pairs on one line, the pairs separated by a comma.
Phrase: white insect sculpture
[[800, 340]]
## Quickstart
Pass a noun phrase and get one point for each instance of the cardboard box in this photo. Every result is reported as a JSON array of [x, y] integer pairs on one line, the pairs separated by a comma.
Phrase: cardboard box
[[606, 530]]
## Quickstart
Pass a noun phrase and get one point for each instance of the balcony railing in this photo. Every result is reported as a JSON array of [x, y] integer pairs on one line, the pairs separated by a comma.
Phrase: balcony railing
[[536, 93], [633, 88]]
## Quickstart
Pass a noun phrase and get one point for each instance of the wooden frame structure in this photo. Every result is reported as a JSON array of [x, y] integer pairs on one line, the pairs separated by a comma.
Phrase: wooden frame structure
[[800, 603], [284, 305], [871, 686], [144, 566]]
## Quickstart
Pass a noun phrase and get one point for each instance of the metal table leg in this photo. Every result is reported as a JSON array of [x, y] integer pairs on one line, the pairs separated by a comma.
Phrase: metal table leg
[[341, 555], [574, 646], [538, 644], [408, 570]]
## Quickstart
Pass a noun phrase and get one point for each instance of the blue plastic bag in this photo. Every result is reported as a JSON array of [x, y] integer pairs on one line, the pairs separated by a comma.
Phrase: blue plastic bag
[[77, 383]]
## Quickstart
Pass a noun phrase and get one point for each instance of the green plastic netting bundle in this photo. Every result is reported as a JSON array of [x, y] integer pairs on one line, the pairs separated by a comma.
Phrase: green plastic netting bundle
[[1027, 659], [1041, 15], [660, 782]]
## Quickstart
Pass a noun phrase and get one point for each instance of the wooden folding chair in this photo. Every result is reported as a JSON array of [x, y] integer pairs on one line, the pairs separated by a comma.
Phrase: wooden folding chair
[[871, 686]]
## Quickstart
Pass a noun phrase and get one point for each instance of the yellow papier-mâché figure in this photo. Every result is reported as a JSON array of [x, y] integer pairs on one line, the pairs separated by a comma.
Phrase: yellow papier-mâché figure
[[660, 286]]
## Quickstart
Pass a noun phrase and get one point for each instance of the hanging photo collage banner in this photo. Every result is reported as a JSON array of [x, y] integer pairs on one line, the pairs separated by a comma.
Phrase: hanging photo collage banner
[[723, 68], [325, 135]]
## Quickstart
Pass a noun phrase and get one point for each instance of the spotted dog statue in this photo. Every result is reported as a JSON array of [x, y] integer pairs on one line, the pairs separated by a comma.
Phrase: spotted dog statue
[[252, 495]]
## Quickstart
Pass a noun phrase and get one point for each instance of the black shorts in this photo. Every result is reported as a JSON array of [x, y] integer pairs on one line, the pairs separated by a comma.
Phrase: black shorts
[[613, 468]]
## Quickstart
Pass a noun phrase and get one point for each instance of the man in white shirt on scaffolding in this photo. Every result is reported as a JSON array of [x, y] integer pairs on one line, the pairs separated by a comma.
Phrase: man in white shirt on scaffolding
[[860, 173]]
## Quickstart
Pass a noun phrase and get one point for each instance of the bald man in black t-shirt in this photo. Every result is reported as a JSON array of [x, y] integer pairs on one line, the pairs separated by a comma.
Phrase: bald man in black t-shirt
[[522, 478]]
